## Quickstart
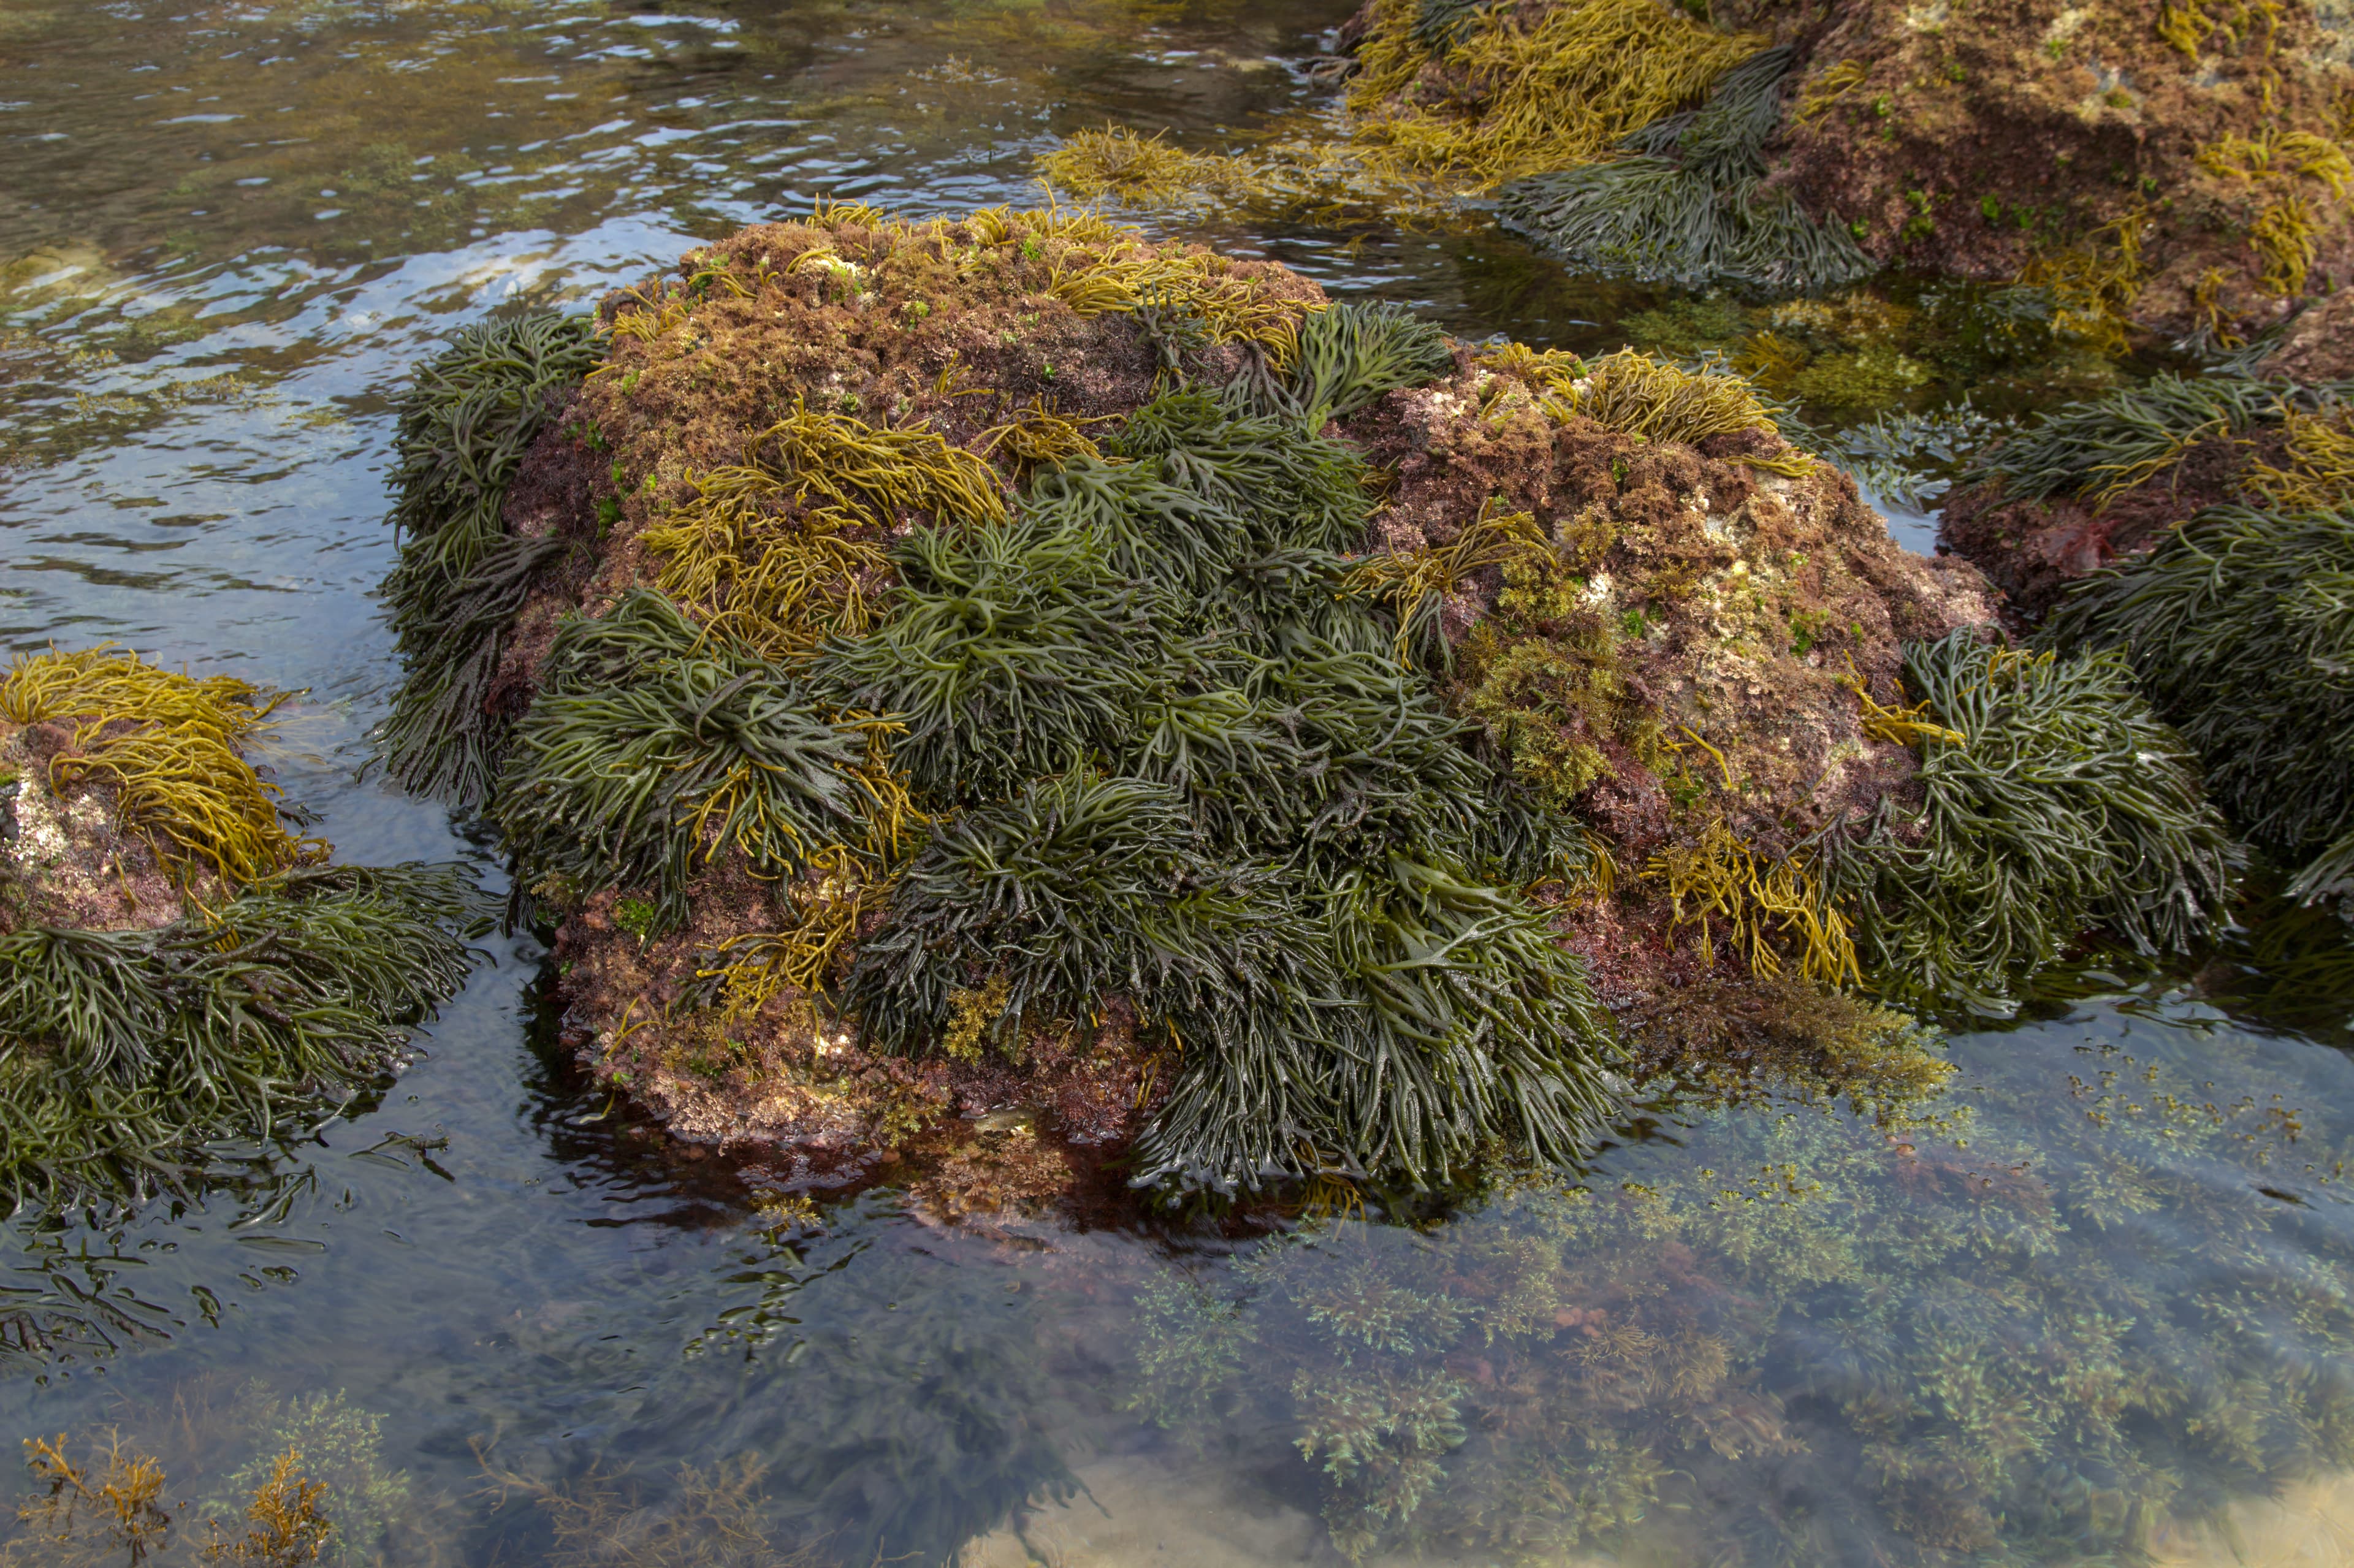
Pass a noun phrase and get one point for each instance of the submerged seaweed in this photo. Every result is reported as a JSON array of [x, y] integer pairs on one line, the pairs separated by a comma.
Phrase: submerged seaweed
[[463, 427], [2025, 1344], [1683, 202], [2240, 629], [2054, 801], [121, 1051]]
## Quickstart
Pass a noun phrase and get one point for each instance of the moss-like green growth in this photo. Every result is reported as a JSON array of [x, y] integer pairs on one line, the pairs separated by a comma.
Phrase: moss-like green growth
[[2239, 627], [121, 1052], [1542, 674], [1683, 201], [1763, 1039], [2062, 805], [1867, 377], [652, 741], [464, 426]]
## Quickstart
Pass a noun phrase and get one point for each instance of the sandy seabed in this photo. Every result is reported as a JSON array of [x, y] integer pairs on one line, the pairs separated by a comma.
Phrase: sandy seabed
[[1137, 1512]]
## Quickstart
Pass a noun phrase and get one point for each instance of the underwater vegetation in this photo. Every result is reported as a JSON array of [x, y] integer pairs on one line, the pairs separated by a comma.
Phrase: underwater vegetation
[[1797, 1334], [714, 1517], [311, 1488], [924, 1406], [2237, 626], [106, 1505], [464, 426], [123, 1052], [2054, 801], [1682, 201], [354, 1504]]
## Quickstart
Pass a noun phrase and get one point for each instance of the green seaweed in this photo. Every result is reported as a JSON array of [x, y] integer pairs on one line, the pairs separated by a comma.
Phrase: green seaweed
[[2240, 627], [1543, 674], [1006, 652], [2109, 444], [1195, 772], [121, 1052], [464, 426], [652, 741], [2065, 805], [1440, 25], [1353, 352], [1682, 201]]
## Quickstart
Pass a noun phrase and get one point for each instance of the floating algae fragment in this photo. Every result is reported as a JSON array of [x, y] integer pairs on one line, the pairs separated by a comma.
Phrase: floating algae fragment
[[2240, 628], [1136, 170], [2066, 806], [464, 426], [170, 746], [1682, 200]]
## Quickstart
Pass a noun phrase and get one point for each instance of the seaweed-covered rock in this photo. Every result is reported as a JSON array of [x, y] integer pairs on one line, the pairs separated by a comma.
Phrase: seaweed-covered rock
[[2182, 166], [176, 964], [1003, 693], [2196, 530], [2098, 482]]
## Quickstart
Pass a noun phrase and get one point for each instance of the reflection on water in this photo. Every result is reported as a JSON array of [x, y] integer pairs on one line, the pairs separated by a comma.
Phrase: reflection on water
[[500, 1323]]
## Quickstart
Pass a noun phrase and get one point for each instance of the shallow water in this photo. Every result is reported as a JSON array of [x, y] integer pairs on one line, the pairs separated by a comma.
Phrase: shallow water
[[505, 1324]]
